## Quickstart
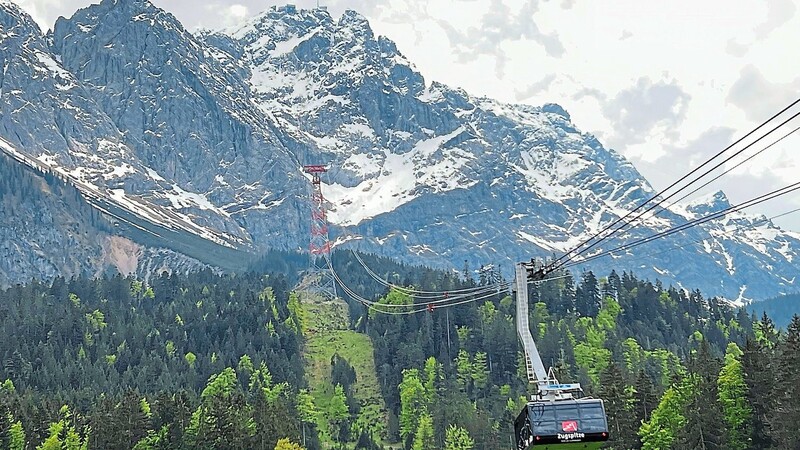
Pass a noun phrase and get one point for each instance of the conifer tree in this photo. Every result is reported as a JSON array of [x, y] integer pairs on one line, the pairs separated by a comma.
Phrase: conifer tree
[[645, 399], [587, 297], [286, 444], [786, 414], [704, 427], [668, 419], [224, 419], [757, 371], [338, 414], [424, 438], [457, 438], [733, 398], [480, 372], [16, 436], [619, 404], [306, 410], [464, 370], [412, 403]]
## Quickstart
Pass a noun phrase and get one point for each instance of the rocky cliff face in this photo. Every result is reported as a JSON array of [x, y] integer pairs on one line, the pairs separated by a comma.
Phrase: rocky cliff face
[[426, 173], [204, 136], [47, 229], [186, 110]]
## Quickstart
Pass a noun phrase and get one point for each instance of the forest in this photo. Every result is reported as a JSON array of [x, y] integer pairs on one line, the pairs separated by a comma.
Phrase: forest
[[217, 362], [781, 308]]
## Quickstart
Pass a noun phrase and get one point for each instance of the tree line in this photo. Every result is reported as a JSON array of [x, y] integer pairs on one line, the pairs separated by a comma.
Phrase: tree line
[[215, 361]]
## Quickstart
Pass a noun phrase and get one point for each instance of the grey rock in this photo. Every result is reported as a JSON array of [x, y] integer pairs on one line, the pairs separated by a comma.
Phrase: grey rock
[[207, 134]]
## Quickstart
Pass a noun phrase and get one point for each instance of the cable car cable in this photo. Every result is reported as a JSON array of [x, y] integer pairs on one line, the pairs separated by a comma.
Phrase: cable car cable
[[749, 203], [697, 241], [372, 303], [423, 294], [584, 250], [737, 165], [688, 225], [677, 182]]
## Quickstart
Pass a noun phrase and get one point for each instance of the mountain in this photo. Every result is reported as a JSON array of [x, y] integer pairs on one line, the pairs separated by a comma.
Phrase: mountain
[[783, 308], [424, 172], [49, 225], [200, 139], [47, 229]]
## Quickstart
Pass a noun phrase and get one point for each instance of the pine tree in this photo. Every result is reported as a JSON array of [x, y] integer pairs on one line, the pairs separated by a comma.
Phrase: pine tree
[[645, 399], [587, 297], [667, 420], [286, 444], [306, 410], [423, 438], [733, 398], [224, 419], [480, 372], [464, 370], [338, 414], [619, 404], [757, 372], [412, 403], [366, 442], [16, 436], [457, 438], [786, 414], [704, 425]]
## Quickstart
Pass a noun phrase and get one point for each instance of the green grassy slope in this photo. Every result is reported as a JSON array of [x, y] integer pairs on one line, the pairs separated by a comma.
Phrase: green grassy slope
[[325, 328]]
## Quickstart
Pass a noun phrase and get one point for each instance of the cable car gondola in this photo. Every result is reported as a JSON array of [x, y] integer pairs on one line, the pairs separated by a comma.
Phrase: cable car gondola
[[558, 417], [562, 425]]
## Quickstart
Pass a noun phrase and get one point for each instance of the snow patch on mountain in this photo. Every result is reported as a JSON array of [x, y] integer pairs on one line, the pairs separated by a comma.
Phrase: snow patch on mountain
[[401, 178], [208, 133]]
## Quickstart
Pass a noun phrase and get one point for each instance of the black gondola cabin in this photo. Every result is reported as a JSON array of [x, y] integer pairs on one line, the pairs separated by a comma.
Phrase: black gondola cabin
[[562, 425]]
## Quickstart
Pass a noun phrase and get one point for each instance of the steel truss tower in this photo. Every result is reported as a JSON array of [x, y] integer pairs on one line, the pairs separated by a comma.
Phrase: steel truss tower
[[322, 281]]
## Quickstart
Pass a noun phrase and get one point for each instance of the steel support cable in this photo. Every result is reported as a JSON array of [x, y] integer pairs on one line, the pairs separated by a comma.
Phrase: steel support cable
[[463, 302], [378, 307], [447, 298], [690, 224], [553, 265], [415, 292], [420, 307], [737, 165], [410, 291], [697, 241], [487, 293], [359, 298], [752, 202], [727, 171], [584, 250]]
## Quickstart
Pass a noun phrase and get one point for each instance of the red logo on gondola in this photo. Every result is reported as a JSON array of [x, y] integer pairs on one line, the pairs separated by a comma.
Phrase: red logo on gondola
[[569, 426]]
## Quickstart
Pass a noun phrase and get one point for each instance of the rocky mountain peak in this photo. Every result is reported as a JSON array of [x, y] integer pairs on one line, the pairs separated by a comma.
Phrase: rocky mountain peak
[[556, 109], [709, 204], [14, 20], [357, 23], [205, 135], [17, 26]]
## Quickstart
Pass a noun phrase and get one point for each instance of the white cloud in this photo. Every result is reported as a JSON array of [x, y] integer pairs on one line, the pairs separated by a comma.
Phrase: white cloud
[[757, 97], [233, 14], [40, 10], [637, 111]]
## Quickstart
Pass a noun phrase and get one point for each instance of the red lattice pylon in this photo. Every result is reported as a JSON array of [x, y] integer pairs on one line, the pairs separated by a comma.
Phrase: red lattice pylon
[[320, 245]]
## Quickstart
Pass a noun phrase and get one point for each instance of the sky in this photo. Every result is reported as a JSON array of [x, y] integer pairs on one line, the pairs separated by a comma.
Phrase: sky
[[665, 83]]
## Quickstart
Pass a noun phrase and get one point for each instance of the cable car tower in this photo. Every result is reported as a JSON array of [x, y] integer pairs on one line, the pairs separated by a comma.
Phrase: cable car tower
[[557, 416], [319, 248]]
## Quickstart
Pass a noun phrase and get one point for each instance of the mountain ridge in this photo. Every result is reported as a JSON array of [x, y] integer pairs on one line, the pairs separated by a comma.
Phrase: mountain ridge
[[207, 133]]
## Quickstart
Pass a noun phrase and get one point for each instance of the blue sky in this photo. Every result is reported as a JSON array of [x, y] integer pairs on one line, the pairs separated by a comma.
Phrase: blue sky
[[667, 84]]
